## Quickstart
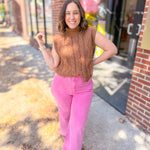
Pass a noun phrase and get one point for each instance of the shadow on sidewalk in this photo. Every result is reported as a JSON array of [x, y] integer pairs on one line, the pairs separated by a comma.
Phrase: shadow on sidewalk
[[26, 135], [20, 63]]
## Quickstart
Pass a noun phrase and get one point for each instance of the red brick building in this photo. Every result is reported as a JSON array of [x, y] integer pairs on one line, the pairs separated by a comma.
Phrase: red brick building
[[29, 18], [138, 106]]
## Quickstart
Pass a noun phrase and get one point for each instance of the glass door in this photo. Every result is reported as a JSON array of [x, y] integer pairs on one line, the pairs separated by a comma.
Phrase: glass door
[[133, 30], [123, 26]]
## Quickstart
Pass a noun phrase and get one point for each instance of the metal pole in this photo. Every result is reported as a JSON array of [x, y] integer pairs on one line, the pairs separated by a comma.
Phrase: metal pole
[[37, 26], [44, 22], [30, 17]]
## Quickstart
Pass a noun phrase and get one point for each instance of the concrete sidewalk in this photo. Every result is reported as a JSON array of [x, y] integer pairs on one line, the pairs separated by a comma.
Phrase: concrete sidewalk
[[28, 112]]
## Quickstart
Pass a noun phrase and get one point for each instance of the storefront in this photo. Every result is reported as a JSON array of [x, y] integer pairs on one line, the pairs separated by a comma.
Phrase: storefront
[[126, 26]]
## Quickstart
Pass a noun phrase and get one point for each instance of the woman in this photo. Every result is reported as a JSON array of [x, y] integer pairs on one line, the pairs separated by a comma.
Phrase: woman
[[72, 60]]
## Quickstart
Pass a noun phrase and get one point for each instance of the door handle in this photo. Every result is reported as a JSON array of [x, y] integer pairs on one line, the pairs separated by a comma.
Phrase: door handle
[[139, 29], [128, 29]]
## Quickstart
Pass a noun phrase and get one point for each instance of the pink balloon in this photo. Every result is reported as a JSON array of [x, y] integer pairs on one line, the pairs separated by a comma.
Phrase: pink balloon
[[90, 6]]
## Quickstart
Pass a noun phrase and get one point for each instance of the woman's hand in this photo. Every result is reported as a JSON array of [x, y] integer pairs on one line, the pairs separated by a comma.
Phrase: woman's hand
[[39, 38], [51, 57]]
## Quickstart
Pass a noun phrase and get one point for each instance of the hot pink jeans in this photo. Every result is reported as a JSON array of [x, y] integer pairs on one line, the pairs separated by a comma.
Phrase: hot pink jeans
[[73, 97]]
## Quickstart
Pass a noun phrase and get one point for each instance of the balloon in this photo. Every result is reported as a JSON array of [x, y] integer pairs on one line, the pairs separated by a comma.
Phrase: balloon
[[90, 6]]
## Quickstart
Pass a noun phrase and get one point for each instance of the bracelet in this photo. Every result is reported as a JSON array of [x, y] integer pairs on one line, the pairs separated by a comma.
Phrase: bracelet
[[41, 48]]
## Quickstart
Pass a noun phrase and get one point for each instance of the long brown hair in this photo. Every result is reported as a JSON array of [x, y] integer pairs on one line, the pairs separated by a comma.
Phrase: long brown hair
[[62, 24]]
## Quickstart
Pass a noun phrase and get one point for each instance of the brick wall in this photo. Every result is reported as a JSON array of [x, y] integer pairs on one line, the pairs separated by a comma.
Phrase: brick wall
[[138, 105], [17, 16], [17, 27], [20, 25], [24, 21], [56, 7]]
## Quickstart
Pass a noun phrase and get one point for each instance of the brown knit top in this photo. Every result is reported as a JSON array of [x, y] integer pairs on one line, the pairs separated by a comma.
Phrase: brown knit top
[[76, 50]]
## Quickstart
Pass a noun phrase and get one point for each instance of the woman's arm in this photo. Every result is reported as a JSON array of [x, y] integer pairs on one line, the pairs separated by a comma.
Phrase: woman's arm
[[108, 47], [51, 57]]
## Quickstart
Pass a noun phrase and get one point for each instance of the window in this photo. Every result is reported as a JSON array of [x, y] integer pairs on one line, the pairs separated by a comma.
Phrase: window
[[39, 18]]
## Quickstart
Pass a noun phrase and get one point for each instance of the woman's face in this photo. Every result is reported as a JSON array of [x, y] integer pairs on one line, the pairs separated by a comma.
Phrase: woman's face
[[72, 16]]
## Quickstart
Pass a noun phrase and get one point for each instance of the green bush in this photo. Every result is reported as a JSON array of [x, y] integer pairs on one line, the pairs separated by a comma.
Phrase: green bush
[[2, 11]]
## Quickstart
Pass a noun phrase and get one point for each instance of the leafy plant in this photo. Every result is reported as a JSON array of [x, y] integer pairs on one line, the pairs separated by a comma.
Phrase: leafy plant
[[2, 9]]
